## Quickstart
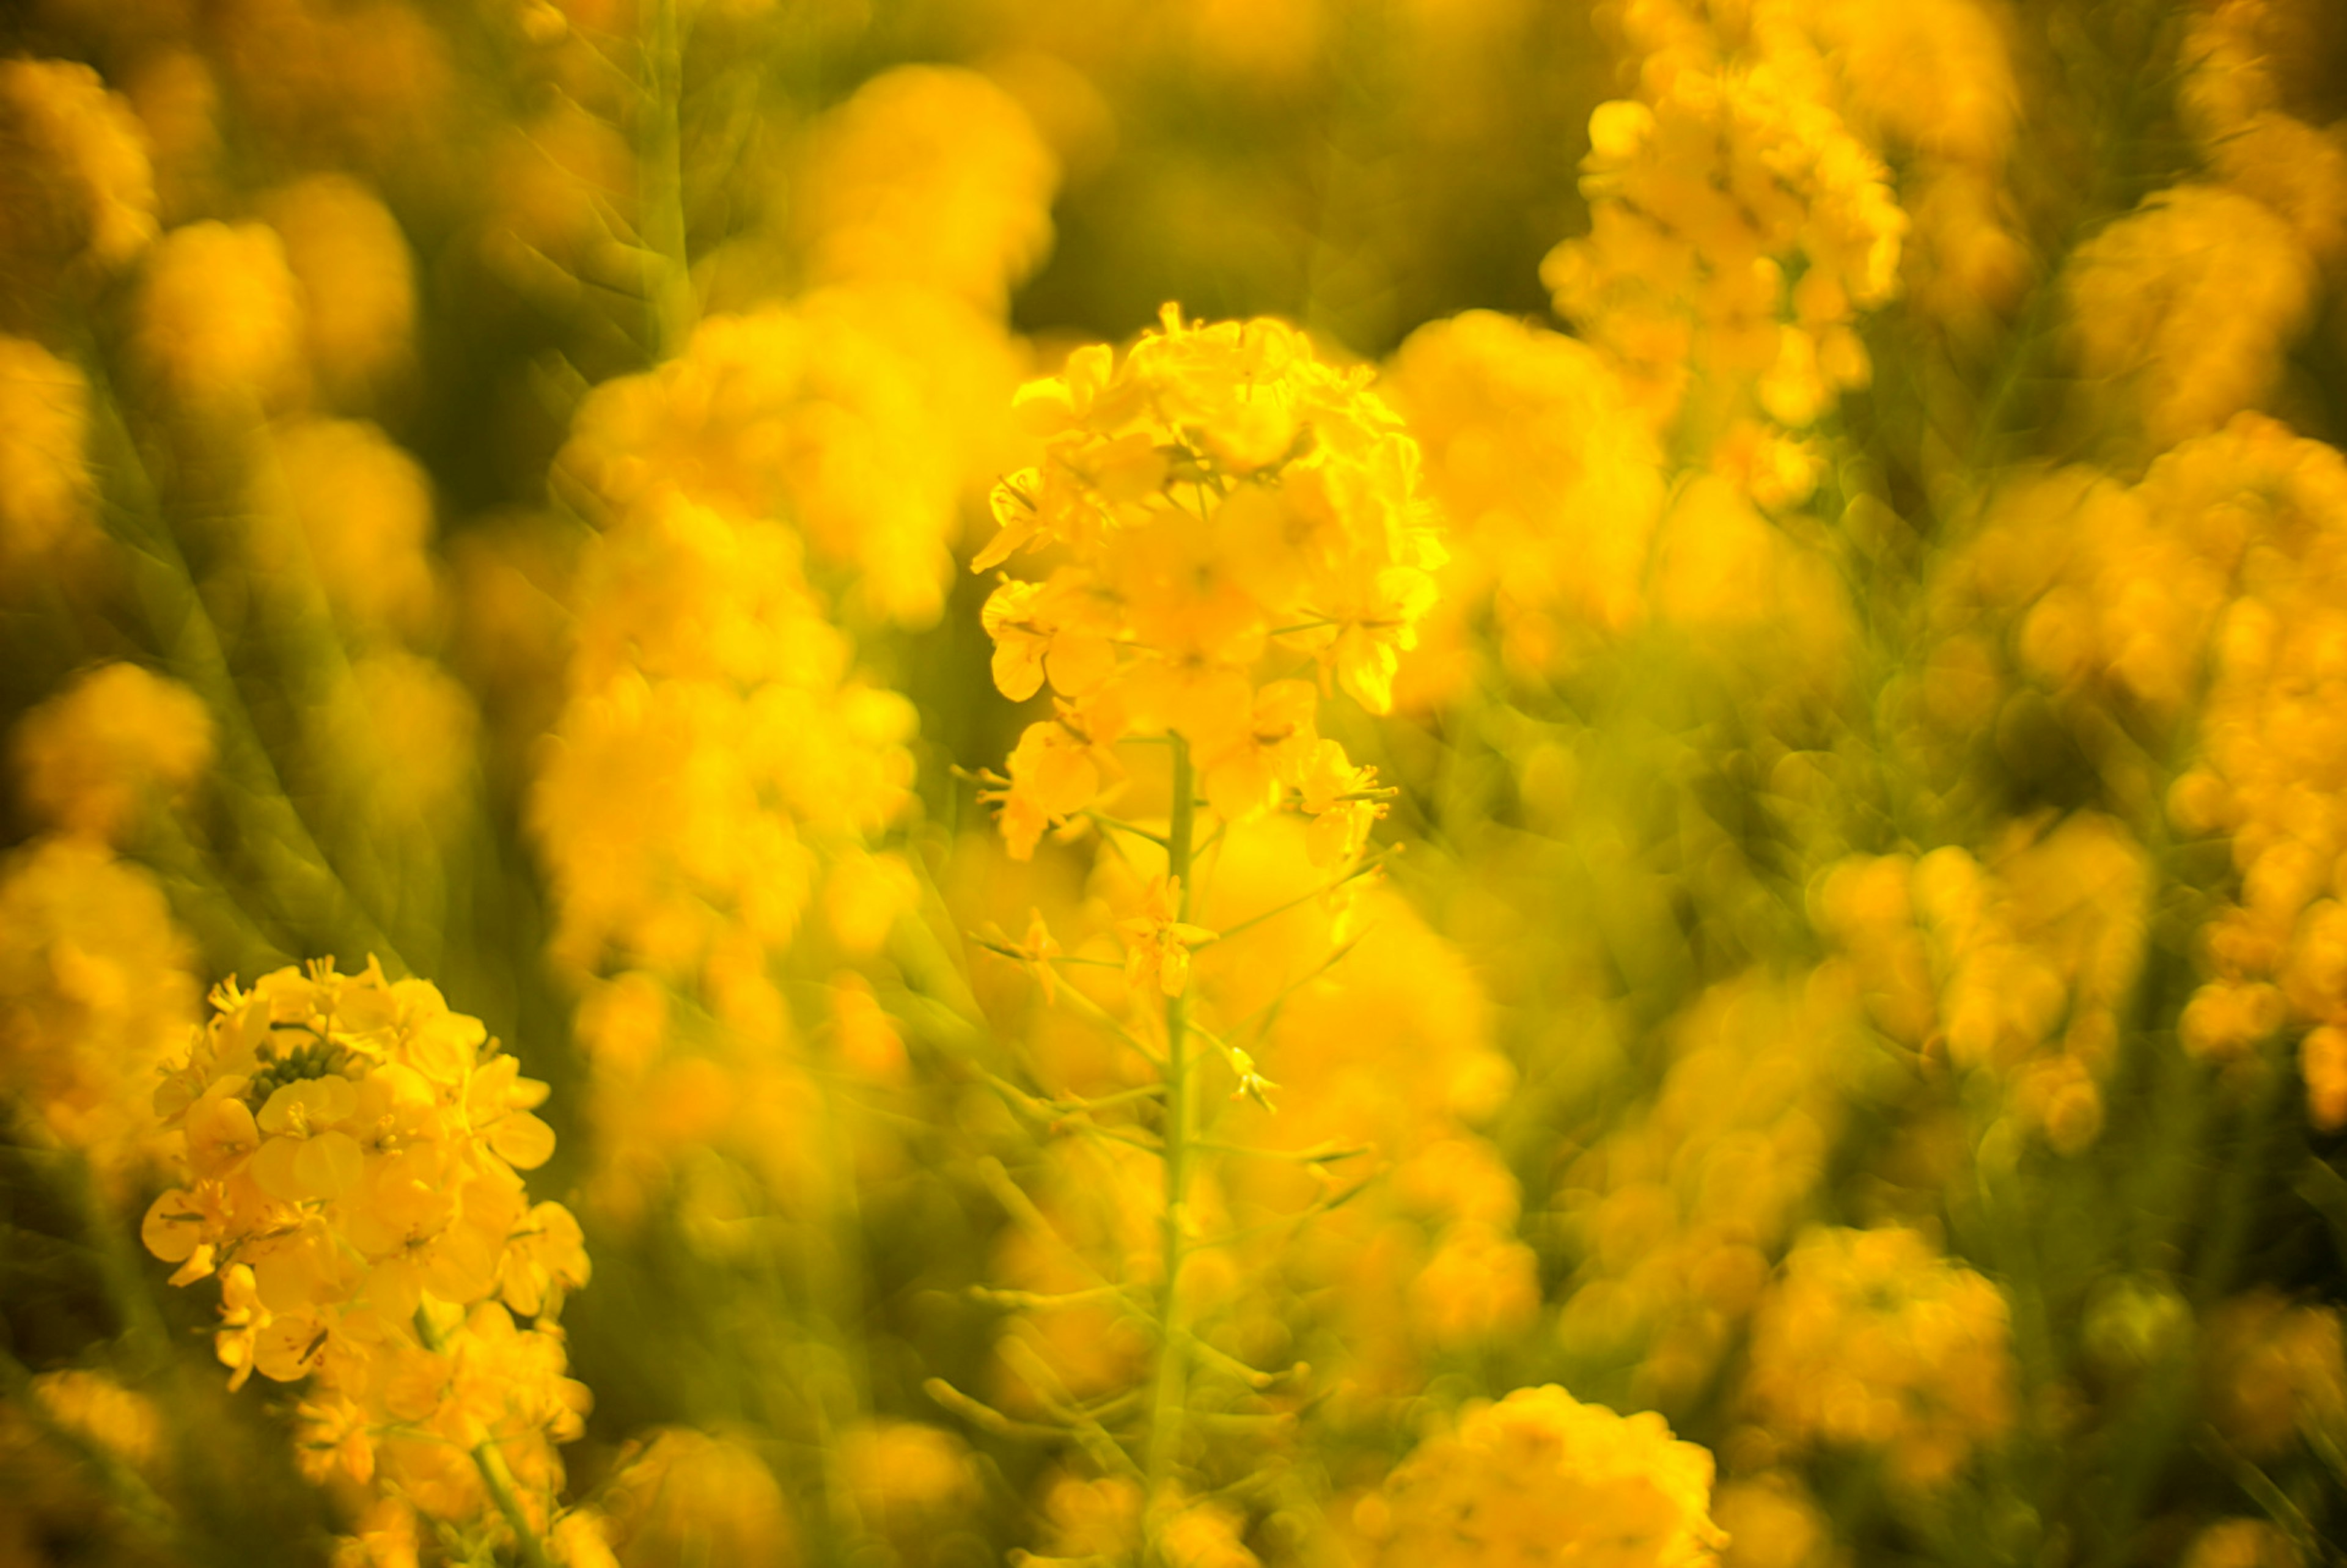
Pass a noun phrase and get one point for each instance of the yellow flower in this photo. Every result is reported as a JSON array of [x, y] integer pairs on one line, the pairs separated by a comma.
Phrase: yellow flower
[[1218, 494], [932, 176], [1243, 775], [909, 1478], [1541, 1475], [1034, 952], [358, 284], [1058, 769], [90, 755], [2272, 1372], [1871, 1339], [1735, 162], [2191, 302], [1336, 796], [46, 489], [1551, 480], [687, 1497], [1376, 625], [2243, 1543], [351, 1144], [218, 318], [78, 188], [1059, 627], [97, 992], [359, 510], [1158, 944], [124, 1423], [2322, 1062]]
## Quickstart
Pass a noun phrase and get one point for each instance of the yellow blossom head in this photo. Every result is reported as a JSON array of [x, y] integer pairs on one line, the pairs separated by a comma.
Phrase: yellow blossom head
[[1539, 1473], [47, 517], [78, 188], [358, 288], [1871, 1339], [89, 757], [1217, 496], [218, 318], [933, 175]]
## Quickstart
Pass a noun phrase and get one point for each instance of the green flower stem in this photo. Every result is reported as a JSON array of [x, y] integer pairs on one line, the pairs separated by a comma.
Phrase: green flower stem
[[1171, 1394], [669, 277], [500, 1482], [830, 1241], [495, 1475]]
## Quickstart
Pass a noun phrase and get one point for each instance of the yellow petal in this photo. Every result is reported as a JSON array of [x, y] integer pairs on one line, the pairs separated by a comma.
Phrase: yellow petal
[[462, 1268], [174, 1226], [522, 1140], [1018, 668], [328, 1165], [287, 1350], [273, 1168]]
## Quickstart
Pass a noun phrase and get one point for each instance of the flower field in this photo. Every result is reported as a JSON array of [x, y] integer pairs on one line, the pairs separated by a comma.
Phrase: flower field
[[1332, 784]]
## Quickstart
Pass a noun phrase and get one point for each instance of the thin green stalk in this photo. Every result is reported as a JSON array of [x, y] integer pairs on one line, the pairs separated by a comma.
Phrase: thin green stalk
[[495, 1473], [2159, 1420], [1171, 1395], [668, 267], [831, 1238]]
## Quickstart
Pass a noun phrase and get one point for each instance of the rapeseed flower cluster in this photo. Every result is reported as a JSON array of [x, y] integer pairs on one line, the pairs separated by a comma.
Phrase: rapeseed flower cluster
[[1677, 1213], [99, 984], [97, 989], [1220, 497], [1541, 1477], [351, 1155], [45, 494], [1871, 1340], [2191, 303], [2197, 596], [1733, 163], [80, 193], [2018, 972]]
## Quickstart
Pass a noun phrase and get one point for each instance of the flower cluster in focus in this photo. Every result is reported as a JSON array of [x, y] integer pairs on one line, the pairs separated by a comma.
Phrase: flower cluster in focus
[[1215, 497], [352, 1151]]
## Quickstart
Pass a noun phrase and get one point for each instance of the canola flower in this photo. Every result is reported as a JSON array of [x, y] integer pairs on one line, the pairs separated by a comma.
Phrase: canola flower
[[2191, 303], [1870, 1339], [352, 1152], [1539, 1476], [95, 756], [45, 493], [2017, 970], [349, 254], [1678, 1210], [79, 192], [1747, 213], [2198, 598], [1214, 494], [2274, 1373], [683, 1496], [708, 671], [1382, 1038], [219, 321], [97, 989], [1733, 163], [718, 768], [1552, 484], [1219, 496]]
